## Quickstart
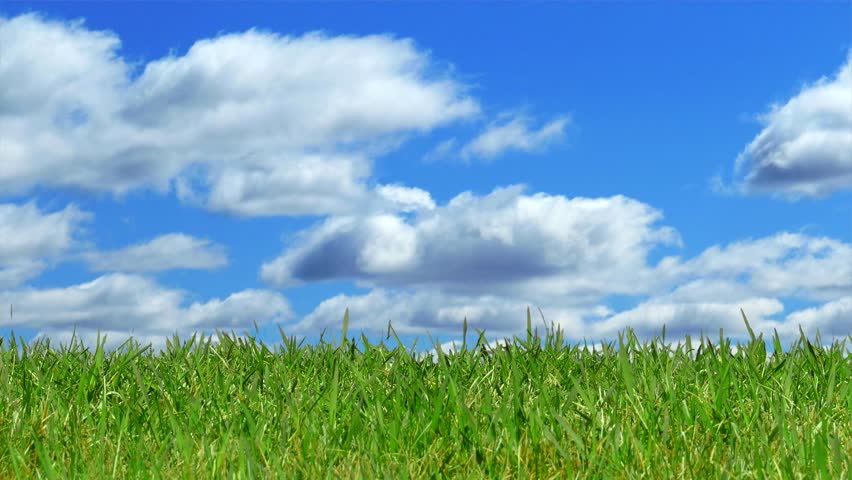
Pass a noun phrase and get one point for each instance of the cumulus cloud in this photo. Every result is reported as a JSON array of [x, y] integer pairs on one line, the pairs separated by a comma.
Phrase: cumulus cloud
[[435, 312], [832, 319], [785, 264], [805, 148], [648, 318], [130, 304], [249, 123], [708, 291], [259, 186], [514, 134], [486, 259], [257, 124], [429, 310], [407, 199], [166, 252], [32, 239], [503, 242]]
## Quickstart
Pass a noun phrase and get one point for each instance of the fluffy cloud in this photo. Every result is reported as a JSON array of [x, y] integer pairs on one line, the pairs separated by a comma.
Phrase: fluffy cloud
[[648, 318], [428, 310], [249, 123], [488, 258], [514, 134], [708, 291], [166, 252], [785, 264], [832, 319], [440, 313], [259, 186], [258, 124], [406, 199], [128, 304], [805, 148], [501, 243], [32, 239]]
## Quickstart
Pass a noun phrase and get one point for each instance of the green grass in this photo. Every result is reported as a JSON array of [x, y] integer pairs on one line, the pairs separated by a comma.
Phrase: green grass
[[531, 409]]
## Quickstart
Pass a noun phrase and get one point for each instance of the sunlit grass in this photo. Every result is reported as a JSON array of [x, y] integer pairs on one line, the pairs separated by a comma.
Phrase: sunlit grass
[[531, 409]]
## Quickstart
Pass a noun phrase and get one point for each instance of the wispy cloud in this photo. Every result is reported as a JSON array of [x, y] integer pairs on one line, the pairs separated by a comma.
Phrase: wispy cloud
[[443, 150], [167, 252], [515, 134]]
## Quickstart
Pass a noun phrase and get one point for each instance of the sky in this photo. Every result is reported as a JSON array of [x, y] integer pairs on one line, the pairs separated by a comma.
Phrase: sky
[[173, 168]]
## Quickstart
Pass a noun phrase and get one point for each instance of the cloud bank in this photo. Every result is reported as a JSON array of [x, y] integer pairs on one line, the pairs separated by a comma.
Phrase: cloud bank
[[488, 258], [121, 304], [228, 128]]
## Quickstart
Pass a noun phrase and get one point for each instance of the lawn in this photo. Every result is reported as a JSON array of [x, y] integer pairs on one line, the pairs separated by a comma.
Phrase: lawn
[[534, 408]]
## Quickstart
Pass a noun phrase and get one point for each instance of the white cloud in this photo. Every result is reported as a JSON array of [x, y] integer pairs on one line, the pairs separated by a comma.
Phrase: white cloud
[[32, 238], [429, 311], [785, 264], [833, 320], [113, 339], [455, 346], [489, 258], [443, 313], [442, 150], [249, 123], [166, 252], [424, 311], [13, 274], [311, 185], [708, 290], [258, 124], [407, 199], [125, 304], [805, 148], [514, 134], [694, 318], [29, 233], [504, 242]]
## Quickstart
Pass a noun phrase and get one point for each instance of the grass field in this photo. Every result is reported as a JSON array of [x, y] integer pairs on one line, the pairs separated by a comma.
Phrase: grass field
[[536, 408]]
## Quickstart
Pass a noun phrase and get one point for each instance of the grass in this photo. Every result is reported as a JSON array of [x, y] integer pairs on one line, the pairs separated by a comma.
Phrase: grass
[[530, 409]]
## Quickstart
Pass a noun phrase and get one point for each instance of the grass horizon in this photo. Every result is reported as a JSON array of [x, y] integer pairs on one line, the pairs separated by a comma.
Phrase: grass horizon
[[237, 409], [413, 340]]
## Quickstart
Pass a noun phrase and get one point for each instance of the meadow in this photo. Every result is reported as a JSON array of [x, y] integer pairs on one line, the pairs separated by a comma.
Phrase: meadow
[[536, 407]]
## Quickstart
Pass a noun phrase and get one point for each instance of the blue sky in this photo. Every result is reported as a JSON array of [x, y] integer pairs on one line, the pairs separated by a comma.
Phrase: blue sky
[[170, 167]]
